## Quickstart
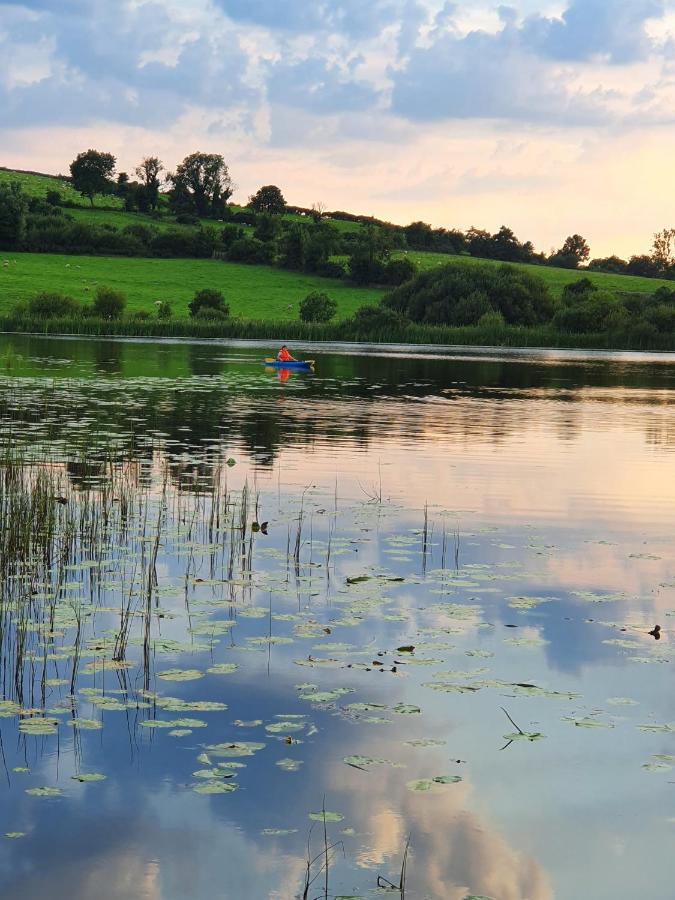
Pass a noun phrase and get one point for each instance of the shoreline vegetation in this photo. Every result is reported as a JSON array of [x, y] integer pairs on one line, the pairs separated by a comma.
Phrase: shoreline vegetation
[[507, 336]]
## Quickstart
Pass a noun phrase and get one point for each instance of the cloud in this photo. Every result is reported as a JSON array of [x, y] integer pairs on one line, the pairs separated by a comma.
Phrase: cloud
[[353, 17], [611, 29]]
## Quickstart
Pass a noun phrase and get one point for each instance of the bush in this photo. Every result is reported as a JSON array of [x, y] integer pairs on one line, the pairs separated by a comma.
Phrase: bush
[[398, 271], [330, 269], [592, 313], [379, 318], [469, 310], [661, 317], [53, 198], [229, 234], [186, 218], [208, 303], [211, 314], [109, 304], [492, 319], [164, 310], [251, 251], [47, 305], [577, 289], [433, 297], [317, 307]]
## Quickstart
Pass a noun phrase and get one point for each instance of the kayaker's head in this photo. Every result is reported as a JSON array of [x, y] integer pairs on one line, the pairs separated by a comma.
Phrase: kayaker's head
[[284, 347]]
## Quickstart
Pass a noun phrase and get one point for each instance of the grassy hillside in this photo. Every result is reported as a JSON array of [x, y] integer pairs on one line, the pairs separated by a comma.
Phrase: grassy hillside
[[38, 185], [254, 292]]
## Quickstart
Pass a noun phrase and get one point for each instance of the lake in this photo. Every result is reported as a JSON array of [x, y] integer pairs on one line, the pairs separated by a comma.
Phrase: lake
[[383, 629]]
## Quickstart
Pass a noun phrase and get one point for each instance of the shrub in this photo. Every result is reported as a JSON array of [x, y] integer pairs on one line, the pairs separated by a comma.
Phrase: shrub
[[594, 312], [317, 307], [576, 289], [211, 314], [229, 234], [186, 218], [398, 271], [661, 317], [164, 310], [330, 269], [251, 251], [432, 297], [469, 310], [109, 304], [53, 198], [376, 318], [48, 305], [492, 319], [208, 303]]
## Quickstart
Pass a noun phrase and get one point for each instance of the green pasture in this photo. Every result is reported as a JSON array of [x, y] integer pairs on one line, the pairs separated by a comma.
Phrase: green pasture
[[253, 292]]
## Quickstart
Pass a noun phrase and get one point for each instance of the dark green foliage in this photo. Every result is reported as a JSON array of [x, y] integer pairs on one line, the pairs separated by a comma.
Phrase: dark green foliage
[[576, 289], [211, 314], [317, 307], [372, 319], [250, 250], [13, 208], [574, 251], [108, 303], [202, 184], [187, 218], [54, 198], [268, 228], [591, 312], [164, 310], [92, 172], [268, 200], [208, 303], [644, 265], [330, 269], [229, 234], [612, 264], [293, 248], [48, 305], [434, 297], [398, 271]]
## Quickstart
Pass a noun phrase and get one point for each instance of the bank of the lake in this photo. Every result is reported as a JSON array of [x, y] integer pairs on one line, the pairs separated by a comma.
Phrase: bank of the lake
[[349, 330]]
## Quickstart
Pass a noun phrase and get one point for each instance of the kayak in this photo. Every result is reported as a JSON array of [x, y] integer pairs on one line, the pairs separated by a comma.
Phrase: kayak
[[302, 365]]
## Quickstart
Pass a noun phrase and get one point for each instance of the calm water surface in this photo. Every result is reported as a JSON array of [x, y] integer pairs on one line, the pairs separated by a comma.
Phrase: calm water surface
[[443, 634]]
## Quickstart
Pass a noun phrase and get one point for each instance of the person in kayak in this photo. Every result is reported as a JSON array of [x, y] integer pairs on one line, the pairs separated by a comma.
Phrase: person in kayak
[[284, 356]]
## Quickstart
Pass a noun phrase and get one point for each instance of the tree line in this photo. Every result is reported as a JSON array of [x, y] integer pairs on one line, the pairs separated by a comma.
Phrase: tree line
[[198, 193]]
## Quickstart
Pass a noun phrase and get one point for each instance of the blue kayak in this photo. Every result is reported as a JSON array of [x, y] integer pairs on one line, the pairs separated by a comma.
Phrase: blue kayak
[[304, 366]]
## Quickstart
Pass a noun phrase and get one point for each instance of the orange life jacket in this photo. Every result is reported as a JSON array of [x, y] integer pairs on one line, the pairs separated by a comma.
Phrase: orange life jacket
[[284, 356]]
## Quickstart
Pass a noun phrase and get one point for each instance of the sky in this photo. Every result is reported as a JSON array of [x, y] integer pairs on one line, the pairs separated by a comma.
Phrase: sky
[[551, 118]]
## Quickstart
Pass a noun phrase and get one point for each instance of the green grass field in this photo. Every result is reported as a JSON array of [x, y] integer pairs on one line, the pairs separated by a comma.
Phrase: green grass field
[[253, 292], [38, 185]]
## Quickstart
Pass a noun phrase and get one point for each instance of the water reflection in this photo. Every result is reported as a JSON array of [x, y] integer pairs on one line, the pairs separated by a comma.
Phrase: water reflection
[[509, 520]]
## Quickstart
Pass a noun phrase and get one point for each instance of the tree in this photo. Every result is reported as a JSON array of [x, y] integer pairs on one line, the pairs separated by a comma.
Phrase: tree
[[92, 173], [148, 172], [419, 235], [208, 303], [204, 180], [318, 211], [13, 207], [269, 200], [317, 307], [663, 252], [109, 304], [574, 251]]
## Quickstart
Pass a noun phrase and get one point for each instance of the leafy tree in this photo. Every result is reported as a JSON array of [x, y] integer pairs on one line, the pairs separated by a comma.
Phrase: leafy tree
[[109, 304], [149, 173], [398, 271], [293, 248], [573, 252], [164, 310], [612, 264], [268, 228], [317, 307], [92, 172], [54, 198], [203, 180], [663, 248], [420, 236], [13, 207], [592, 312], [576, 289], [208, 301], [644, 265], [446, 295], [268, 200], [323, 239]]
